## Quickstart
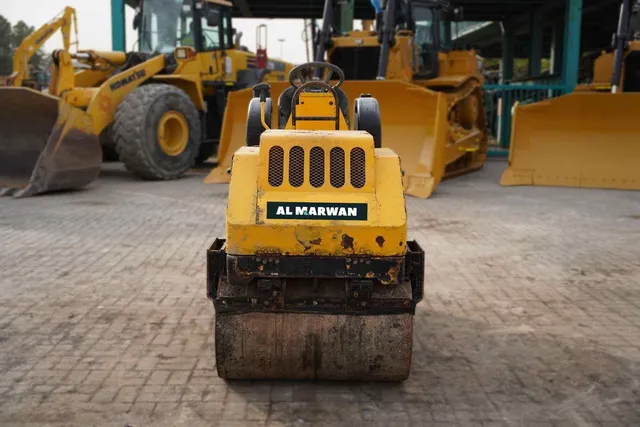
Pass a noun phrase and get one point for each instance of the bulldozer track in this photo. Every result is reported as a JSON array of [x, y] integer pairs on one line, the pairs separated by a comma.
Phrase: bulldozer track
[[462, 93]]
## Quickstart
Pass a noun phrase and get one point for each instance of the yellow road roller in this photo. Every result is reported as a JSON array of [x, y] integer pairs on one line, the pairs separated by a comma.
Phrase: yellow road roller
[[316, 278]]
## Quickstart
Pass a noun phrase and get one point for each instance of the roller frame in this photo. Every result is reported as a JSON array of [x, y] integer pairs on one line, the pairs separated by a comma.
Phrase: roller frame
[[280, 327], [372, 285]]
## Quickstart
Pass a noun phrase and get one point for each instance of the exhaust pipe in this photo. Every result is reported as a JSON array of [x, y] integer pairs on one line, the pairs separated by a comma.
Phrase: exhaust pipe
[[324, 35], [386, 38]]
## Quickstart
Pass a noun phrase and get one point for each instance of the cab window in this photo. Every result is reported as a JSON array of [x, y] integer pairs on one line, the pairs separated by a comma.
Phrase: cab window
[[210, 36], [166, 24], [216, 28], [423, 18], [446, 43], [425, 42]]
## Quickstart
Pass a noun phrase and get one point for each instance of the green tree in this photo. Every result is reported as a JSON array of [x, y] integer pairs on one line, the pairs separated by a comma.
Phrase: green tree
[[6, 64]]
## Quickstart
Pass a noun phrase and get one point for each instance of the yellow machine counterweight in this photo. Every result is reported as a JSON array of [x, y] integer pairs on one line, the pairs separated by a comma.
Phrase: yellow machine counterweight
[[316, 277]]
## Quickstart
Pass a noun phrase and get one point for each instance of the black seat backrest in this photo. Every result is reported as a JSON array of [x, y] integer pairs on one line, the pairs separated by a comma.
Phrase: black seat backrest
[[284, 106], [632, 72]]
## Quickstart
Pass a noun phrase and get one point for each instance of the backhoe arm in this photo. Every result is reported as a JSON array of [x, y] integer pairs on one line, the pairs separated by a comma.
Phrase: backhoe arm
[[33, 42]]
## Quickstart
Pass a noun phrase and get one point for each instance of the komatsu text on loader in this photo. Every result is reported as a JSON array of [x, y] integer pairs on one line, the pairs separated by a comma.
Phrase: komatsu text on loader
[[589, 138], [430, 94], [160, 107], [316, 278]]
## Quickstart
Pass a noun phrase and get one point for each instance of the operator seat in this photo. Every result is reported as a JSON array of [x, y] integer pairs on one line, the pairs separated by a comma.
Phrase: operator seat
[[366, 113], [284, 105]]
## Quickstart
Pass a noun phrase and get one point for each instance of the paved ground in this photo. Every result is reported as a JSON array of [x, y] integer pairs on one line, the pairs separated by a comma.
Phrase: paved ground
[[531, 315]]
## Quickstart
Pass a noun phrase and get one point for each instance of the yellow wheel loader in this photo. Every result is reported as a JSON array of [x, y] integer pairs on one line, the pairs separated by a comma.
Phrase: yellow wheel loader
[[316, 278], [430, 95], [589, 138], [160, 108]]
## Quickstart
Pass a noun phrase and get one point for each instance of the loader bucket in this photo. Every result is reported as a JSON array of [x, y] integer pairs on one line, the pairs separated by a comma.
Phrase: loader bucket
[[45, 144], [583, 139], [414, 126]]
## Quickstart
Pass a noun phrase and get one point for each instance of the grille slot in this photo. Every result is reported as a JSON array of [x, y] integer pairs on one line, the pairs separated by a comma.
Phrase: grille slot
[[316, 167], [276, 166], [357, 167], [296, 166], [336, 167]]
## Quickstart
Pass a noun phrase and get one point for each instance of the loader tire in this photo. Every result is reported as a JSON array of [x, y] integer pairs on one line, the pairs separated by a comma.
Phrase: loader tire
[[136, 132]]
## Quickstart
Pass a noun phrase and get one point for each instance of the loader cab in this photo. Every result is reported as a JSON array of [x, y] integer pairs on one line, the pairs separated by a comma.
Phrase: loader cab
[[204, 25]]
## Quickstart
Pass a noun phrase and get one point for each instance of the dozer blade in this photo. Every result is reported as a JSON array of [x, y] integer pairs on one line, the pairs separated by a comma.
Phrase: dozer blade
[[233, 133], [45, 144], [582, 139], [414, 126], [314, 346]]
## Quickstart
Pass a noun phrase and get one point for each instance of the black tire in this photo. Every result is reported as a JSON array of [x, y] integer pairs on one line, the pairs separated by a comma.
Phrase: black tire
[[254, 123], [206, 151], [135, 132], [366, 116]]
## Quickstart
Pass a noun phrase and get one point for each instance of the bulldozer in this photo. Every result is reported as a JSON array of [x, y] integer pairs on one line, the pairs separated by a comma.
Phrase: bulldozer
[[409, 60], [589, 138], [159, 107], [316, 278], [21, 76]]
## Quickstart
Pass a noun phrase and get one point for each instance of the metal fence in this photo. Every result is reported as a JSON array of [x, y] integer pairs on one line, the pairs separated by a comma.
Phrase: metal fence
[[500, 99]]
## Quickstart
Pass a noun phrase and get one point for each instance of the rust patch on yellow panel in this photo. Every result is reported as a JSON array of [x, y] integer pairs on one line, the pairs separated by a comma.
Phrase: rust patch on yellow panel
[[347, 241]]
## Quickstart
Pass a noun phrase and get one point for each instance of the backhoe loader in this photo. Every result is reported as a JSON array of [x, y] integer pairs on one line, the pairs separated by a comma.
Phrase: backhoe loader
[[589, 138], [20, 77], [315, 278], [430, 95], [161, 107]]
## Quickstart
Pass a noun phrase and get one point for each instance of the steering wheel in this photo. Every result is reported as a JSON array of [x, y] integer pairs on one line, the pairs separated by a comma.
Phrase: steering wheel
[[296, 74]]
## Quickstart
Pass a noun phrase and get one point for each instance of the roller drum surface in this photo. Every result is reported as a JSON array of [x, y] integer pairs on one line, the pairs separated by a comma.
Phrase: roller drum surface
[[314, 346]]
